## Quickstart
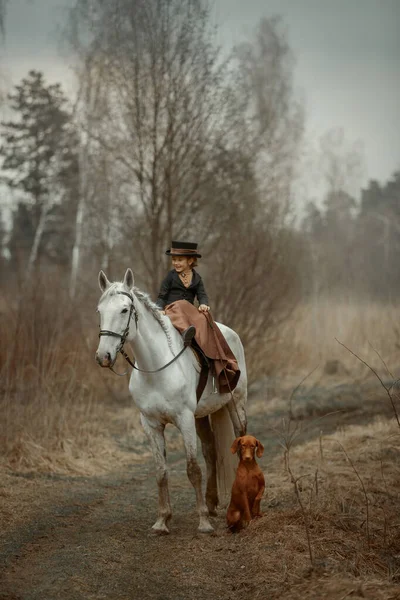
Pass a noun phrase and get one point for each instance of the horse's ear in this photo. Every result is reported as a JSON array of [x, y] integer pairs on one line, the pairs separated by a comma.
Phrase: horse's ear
[[235, 445], [129, 280], [103, 281]]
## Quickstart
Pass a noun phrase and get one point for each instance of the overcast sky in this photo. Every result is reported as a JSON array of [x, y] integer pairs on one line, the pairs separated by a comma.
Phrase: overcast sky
[[347, 61]]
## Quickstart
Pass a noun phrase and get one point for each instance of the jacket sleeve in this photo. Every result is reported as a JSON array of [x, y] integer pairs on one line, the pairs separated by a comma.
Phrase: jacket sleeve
[[201, 293], [163, 293]]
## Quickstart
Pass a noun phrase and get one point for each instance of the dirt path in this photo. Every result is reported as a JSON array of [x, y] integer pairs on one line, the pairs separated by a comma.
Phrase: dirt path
[[90, 538], [97, 544]]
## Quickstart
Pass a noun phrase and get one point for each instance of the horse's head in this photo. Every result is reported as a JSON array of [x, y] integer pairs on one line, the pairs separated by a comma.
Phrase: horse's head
[[117, 317]]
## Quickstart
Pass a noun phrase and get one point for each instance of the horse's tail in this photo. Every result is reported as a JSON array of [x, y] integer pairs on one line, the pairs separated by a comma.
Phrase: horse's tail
[[224, 435]]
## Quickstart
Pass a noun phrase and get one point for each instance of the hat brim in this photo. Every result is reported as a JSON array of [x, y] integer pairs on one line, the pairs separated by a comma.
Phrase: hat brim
[[188, 254]]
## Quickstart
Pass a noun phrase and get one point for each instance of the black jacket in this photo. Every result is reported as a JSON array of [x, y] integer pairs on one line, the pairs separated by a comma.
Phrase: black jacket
[[172, 289]]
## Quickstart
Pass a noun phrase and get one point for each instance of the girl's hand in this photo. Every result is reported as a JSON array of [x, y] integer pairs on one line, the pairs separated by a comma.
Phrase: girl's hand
[[204, 308]]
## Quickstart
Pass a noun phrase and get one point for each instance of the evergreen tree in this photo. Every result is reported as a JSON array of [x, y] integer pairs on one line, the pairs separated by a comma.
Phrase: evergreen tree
[[22, 234], [379, 234], [39, 151], [312, 222]]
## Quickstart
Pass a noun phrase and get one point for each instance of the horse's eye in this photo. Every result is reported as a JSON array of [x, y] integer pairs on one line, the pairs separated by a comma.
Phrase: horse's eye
[[125, 310]]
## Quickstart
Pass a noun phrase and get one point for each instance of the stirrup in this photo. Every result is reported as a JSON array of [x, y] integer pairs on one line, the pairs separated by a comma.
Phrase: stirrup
[[188, 335]]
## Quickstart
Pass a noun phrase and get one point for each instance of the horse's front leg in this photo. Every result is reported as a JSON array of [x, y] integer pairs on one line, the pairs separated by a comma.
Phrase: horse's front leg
[[187, 427], [206, 436], [155, 434]]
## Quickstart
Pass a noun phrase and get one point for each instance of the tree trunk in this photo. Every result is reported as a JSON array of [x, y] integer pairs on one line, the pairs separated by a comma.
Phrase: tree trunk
[[37, 239], [76, 250]]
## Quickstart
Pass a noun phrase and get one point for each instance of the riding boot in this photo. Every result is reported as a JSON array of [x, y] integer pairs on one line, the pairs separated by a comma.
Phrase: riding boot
[[188, 335]]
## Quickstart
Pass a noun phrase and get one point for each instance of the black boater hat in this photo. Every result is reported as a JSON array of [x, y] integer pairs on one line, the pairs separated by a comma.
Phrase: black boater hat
[[183, 249]]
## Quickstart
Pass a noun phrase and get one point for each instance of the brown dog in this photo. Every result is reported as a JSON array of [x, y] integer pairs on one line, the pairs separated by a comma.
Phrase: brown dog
[[248, 487]]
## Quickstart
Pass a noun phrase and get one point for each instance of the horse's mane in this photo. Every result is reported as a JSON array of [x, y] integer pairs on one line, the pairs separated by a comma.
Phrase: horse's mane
[[146, 301]]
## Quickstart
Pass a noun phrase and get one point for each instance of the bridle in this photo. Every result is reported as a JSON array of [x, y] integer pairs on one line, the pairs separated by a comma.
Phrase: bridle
[[124, 335]]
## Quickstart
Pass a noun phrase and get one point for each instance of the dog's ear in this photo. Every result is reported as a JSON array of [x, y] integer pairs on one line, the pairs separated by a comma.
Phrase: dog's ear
[[260, 449], [235, 445]]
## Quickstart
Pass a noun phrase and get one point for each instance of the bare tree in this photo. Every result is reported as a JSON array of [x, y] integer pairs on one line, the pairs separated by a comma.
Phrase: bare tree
[[341, 163], [272, 116], [162, 116], [183, 144], [333, 239], [260, 289]]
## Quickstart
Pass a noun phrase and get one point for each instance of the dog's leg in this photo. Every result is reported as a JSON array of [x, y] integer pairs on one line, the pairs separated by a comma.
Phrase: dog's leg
[[206, 436], [246, 515], [255, 512]]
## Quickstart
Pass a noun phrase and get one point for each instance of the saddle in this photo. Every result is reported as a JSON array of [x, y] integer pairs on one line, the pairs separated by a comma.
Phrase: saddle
[[209, 338]]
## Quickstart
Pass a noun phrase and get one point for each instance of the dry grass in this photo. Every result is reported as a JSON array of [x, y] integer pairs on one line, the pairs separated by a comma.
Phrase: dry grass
[[346, 561], [307, 339], [57, 409], [59, 413]]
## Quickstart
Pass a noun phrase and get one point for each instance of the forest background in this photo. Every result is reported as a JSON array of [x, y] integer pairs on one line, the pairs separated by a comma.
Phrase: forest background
[[168, 137]]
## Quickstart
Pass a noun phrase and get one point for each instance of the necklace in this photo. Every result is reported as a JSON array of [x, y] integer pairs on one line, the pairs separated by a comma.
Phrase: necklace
[[186, 278]]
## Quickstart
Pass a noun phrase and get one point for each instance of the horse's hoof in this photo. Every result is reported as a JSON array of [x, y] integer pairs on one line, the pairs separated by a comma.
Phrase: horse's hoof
[[160, 529], [205, 528]]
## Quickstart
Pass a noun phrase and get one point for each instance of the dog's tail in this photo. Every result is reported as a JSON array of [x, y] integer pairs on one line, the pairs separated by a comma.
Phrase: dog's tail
[[224, 434]]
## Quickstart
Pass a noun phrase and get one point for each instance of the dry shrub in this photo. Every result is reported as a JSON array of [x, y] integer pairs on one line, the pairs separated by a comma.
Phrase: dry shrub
[[350, 487], [56, 406]]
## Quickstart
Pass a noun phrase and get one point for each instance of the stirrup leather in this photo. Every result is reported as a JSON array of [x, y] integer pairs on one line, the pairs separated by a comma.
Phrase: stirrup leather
[[188, 335]]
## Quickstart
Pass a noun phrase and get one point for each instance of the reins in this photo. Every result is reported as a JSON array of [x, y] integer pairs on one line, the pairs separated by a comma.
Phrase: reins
[[124, 354], [123, 337]]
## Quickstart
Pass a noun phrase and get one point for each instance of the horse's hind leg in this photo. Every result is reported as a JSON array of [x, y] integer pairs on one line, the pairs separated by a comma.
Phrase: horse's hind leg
[[187, 427], [207, 439], [155, 435]]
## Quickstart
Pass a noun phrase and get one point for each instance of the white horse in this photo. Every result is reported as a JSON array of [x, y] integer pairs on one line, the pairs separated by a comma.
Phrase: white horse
[[168, 395]]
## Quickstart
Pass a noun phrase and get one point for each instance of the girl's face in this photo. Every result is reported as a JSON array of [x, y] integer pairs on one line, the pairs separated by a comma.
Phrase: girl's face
[[181, 263]]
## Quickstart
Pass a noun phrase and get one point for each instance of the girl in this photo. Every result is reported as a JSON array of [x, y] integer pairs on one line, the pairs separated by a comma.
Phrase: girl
[[183, 282], [176, 298]]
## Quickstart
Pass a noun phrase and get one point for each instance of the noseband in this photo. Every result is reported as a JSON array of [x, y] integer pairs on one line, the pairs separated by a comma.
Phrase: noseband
[[124, 335]]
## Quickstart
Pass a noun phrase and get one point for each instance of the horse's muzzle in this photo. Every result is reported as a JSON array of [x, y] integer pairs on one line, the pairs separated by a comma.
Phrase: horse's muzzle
[[104, 360]]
